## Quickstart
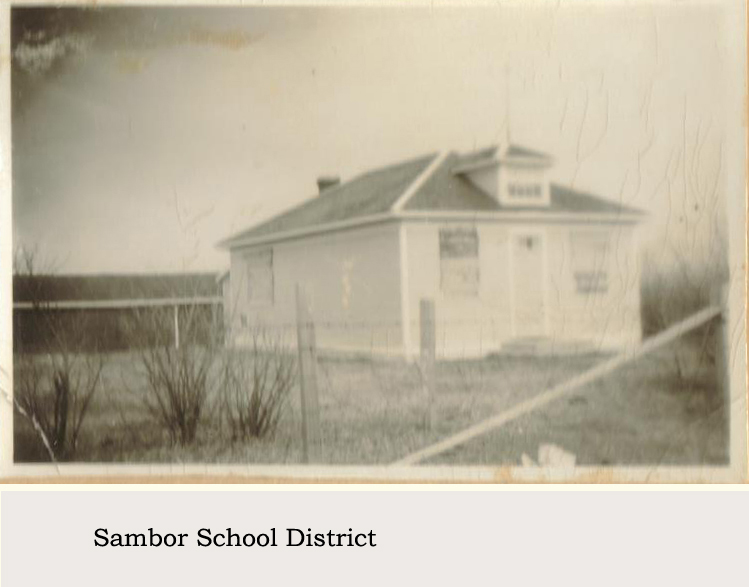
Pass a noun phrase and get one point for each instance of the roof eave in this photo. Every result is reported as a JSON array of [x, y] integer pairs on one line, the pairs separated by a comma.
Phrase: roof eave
[[275, 237], [513, 215], [509, 215]]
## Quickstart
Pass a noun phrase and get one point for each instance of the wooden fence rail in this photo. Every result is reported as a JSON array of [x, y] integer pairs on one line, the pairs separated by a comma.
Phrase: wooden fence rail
[[572, 385]]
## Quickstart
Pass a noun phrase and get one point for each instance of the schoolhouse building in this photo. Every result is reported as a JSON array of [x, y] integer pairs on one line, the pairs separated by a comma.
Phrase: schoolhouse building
[[512, 261]]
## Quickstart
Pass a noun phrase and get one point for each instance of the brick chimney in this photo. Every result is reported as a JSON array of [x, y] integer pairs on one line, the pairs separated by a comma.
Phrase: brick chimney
[[327, 182]]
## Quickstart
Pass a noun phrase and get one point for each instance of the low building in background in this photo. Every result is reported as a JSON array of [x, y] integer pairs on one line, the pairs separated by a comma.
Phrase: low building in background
[[97, 307]]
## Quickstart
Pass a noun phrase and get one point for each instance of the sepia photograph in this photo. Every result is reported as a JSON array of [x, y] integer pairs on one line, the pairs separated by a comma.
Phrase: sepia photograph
[[443, 241]]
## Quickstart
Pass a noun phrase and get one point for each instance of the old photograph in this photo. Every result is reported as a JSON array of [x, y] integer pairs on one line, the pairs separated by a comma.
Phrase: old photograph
[[487, 242]]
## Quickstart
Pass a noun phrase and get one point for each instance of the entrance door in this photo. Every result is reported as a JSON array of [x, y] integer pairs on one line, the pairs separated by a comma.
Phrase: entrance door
[[529, 283]]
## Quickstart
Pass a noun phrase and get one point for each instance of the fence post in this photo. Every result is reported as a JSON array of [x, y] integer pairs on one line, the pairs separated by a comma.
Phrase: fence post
[[308, 379], [176, 326], [428, 352], [720, 299]]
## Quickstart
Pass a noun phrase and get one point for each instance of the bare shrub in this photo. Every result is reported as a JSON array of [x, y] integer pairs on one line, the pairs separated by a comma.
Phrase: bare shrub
[[55, 393], [670, 296], [255, 384], [178, 379]]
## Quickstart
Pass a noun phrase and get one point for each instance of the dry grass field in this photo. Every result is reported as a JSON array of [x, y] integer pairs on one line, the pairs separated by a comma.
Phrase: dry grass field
[[653, 411]]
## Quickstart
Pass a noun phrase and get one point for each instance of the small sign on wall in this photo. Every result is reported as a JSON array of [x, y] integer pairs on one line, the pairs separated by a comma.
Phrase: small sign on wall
[[459, 261], [590, 261]]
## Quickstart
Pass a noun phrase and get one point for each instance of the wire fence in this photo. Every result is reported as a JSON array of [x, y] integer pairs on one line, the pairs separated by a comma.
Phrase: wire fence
[[361, 382]]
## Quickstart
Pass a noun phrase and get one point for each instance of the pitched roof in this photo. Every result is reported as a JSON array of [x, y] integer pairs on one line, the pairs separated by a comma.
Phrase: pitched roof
[[445, 190], [376, 192], [448, 191], [480, 156], [566, 199], [373, 192]]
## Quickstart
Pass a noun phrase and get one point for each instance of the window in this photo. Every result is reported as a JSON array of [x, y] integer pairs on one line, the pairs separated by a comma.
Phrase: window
[[259, 266], [459, 261], [524, 190], [590, 261]]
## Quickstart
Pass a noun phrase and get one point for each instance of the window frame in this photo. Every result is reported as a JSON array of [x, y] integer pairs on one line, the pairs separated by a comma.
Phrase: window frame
[[472, 262], [525, 192], [253, 301], [594, 280]]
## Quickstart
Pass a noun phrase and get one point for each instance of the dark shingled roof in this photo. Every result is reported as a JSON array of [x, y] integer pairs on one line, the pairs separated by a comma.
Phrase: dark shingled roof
[[565, 199], [445, 190], [57, 288], [370, 193], [376, 192], [448, 191]]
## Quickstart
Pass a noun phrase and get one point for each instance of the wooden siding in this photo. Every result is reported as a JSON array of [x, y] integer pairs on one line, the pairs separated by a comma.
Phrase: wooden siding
[[352, 280]]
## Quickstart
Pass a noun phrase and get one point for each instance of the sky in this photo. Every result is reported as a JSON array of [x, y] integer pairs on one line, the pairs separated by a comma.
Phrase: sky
[[143, 136]]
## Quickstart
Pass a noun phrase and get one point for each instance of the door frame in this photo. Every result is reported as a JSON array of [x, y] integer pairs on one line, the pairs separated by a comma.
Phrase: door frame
[[534, 231]]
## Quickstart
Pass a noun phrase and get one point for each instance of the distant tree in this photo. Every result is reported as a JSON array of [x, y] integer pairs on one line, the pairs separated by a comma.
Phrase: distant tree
[[680, 279]]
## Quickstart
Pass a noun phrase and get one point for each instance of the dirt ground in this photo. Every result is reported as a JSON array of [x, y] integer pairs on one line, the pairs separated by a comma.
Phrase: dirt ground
[[661, 409]]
